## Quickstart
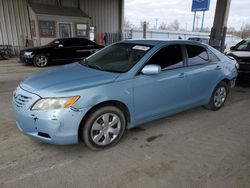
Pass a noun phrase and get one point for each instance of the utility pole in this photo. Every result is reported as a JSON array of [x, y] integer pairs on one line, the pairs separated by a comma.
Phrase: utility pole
[[219, 29]]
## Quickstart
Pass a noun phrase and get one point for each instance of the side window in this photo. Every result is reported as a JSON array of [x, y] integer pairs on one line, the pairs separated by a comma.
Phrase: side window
[[90, 43], [81, 42], [68, 43], [212, 57], [84, 42], [196, 55], [169, 57]]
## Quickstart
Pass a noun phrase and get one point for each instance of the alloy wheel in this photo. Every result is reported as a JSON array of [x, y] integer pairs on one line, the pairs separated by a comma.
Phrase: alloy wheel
[[105, 129], [220, 96], [41, 61]]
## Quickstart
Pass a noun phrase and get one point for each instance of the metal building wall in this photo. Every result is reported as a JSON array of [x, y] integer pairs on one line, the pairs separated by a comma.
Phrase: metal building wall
[[14, 23], [106, 17]]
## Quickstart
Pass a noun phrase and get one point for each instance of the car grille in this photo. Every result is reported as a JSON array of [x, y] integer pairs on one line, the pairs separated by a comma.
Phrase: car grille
[[21, 100]]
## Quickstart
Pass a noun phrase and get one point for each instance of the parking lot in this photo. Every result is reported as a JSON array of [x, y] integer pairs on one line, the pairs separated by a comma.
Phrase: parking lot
[[196, 148]]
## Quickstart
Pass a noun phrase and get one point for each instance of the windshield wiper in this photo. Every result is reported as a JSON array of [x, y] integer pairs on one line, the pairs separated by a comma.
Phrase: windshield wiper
[[95, 66], [84, 62]]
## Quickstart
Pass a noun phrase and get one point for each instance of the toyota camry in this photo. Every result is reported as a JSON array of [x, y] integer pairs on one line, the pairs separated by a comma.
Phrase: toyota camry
[[121, 86]]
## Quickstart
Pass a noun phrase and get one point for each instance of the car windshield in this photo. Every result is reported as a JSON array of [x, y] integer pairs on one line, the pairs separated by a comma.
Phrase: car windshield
[[243, 45], [119, 57]]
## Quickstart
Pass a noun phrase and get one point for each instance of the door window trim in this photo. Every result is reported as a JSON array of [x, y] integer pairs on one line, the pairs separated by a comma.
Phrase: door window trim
[[165, 70], [209, 62]]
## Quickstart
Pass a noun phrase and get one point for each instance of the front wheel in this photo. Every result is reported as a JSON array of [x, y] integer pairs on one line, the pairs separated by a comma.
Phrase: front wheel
[[218, 97], [40, 60], [103, 128]]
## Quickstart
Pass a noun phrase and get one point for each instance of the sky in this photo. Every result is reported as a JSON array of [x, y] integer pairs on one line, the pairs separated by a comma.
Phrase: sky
[[167, 11]]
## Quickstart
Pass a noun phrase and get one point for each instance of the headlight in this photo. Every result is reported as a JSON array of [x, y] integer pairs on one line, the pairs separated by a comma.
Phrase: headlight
[[54, 103], [27, 53]]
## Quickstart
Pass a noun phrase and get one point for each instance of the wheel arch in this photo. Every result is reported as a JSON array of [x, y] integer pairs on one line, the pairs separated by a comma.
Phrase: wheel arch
[[120, 105], [227, 81]]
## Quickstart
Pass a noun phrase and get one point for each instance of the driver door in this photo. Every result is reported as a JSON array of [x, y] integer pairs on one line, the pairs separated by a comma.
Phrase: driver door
[[64, 51], [164, 93]]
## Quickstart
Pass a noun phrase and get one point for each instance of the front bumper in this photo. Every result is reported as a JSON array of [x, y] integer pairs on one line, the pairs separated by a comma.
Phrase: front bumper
[[244, 71], [51, 126], [26, 58], [244, 75]]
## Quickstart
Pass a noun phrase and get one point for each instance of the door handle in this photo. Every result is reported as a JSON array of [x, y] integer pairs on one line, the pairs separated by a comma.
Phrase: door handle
[[182, 75], [218, 67]]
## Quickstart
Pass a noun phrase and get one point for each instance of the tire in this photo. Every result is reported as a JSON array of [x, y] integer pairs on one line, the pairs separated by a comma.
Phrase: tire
[[218, 97], [98, 135], [40, 60]]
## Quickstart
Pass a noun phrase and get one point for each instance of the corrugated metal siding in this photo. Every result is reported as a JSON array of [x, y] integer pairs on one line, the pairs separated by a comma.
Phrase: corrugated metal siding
[[66, 3], [69, 3], [106, 16], [47, 2], [14, 23]]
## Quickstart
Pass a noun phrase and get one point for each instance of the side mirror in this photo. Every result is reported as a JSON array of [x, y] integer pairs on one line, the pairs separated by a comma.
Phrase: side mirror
[[151, 69], [60, 45], [231, 57]]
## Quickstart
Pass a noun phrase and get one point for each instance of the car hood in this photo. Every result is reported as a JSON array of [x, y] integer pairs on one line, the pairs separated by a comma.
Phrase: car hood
[[240, 53], [67, 78]]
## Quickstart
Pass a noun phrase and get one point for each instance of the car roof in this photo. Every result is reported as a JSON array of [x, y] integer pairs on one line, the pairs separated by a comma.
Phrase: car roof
[[154, 42], [64, 39]]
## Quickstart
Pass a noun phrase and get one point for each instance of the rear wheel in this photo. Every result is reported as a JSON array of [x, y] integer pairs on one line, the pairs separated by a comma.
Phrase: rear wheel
[[218, 97], [103, 128], [40, 60]]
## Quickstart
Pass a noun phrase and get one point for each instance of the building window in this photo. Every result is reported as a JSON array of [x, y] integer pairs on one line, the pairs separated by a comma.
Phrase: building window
[[81, 30], [47, 28]]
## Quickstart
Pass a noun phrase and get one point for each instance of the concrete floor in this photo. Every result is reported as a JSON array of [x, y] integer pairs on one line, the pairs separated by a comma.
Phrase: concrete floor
[[196, 148]]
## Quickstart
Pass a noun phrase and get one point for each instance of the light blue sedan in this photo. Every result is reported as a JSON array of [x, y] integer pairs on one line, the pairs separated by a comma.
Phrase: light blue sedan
[[123, 85]]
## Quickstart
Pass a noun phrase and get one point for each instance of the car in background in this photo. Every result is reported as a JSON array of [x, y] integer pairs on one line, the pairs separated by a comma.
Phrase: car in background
[[64, 50], [241, 52], [199, 39], [119, 87]]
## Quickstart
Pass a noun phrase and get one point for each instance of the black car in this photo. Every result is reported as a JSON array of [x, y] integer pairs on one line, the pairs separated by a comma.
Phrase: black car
[[241, 52], [65, 50]]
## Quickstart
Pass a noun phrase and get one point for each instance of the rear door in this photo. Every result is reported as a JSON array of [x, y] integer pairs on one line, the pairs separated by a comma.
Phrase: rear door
[[84, 48], [203, 72], [64, 51]]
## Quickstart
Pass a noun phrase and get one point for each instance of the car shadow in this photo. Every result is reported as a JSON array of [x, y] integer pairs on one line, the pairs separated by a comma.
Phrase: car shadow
[[242, 83]]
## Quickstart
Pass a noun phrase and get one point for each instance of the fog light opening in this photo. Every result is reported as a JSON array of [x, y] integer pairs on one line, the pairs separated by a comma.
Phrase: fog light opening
[[45, 135]]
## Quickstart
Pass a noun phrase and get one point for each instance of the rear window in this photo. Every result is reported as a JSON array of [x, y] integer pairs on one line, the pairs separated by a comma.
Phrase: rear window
[[197, 55]]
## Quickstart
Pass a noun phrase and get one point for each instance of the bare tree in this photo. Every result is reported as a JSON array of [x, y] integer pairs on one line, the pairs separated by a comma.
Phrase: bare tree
[[163, 26], [174, 26], [127, 23], [206, 29], [231, 30], [245, 31]]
